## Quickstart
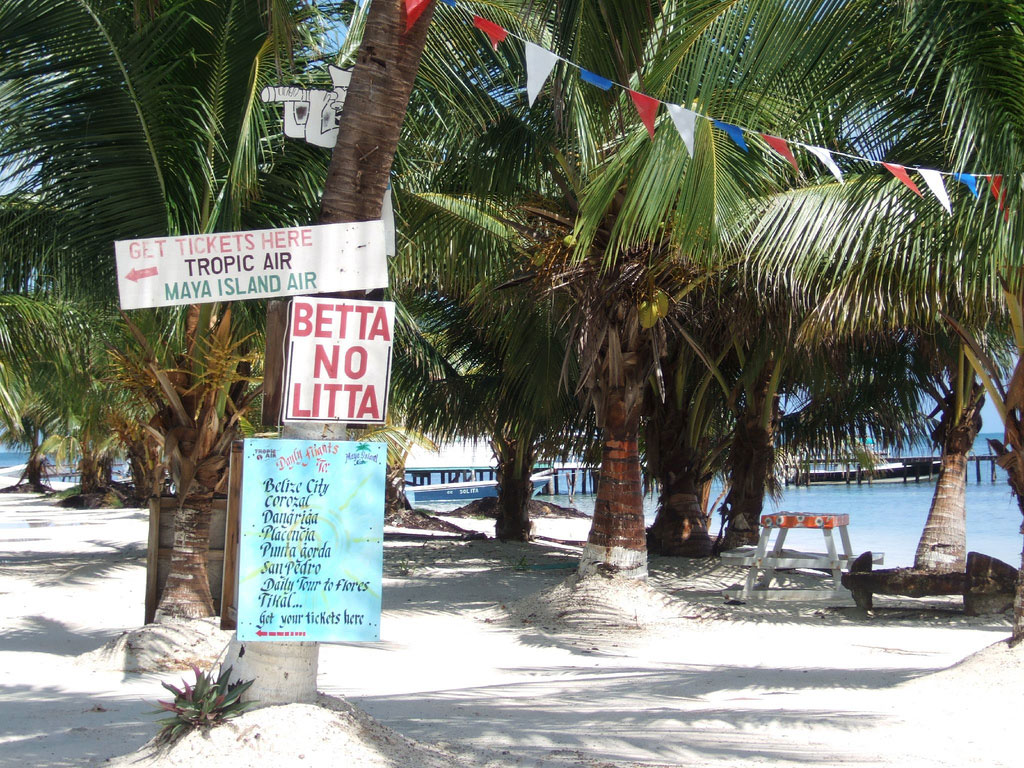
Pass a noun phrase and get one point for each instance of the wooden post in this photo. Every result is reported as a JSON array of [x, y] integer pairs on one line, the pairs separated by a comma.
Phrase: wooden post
[[152, 561], [229, 584], [273, 366], [977, 468]]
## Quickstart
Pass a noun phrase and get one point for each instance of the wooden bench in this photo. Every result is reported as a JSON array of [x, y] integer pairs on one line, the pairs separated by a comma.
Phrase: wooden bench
[[987, 585]]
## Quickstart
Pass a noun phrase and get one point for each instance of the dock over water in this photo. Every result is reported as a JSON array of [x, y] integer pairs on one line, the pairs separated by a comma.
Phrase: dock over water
[[901, 468]]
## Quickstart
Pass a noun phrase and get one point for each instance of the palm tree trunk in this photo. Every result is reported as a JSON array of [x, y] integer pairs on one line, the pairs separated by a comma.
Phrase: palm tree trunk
[[33, 474], [514, 490], [943, 544], [1015, 477], [1011, 458], [105, 472], [375, 106], [750, 463], [35, 466], [680, 527], [186, 593], [88, 473], [617, 543], [395, 499]]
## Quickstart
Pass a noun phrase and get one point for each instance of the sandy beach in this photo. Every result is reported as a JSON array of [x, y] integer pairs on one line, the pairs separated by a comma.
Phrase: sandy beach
[[474, 669]]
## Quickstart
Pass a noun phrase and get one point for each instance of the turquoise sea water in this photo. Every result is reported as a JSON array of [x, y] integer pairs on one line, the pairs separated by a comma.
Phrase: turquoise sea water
[[884, 516], [11, 458]]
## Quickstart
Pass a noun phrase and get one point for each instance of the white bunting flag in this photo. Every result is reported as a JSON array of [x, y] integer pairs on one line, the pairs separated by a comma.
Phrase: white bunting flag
[[539, 63], [684, 120], [826, 158], [934, 181]]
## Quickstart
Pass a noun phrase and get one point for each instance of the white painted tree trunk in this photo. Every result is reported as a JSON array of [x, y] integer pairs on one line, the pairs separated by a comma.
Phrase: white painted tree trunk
[[627, 563], [284, 673]]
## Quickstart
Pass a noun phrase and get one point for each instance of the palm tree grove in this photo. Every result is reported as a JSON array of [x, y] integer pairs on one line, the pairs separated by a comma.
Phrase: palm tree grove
[[705, 290]]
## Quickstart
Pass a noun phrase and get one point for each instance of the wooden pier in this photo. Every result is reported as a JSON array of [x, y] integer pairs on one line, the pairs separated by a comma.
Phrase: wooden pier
[[904, 468]]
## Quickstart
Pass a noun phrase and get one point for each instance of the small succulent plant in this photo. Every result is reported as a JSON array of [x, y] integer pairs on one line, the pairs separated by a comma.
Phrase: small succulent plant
[[207, 703]]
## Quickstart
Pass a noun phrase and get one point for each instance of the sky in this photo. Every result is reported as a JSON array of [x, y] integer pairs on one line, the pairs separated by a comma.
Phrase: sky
[[990, 418]]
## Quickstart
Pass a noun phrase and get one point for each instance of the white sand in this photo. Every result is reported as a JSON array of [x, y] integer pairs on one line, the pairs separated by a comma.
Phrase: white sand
[[669, 678]]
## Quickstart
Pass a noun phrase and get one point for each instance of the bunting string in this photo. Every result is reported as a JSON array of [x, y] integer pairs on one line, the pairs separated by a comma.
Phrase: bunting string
[[540, 62]]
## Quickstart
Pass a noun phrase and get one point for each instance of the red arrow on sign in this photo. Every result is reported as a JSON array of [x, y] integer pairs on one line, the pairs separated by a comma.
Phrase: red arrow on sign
[[137, 274], [261, 633]]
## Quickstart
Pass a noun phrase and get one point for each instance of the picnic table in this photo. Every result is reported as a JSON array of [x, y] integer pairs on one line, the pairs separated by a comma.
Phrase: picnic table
[[762, 562]]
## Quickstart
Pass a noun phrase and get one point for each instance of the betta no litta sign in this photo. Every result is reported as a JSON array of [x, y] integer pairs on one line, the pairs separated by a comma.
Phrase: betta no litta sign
[[339, 360]]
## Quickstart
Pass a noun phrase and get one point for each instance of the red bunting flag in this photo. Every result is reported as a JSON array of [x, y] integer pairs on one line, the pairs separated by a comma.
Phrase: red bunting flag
[[901, 173], [996, 180], [492, 30], [413, 10], [780, 146], [647, 107]]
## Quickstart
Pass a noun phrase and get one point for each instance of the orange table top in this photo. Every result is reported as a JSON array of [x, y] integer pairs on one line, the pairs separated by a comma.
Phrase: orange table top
[[794, 520]]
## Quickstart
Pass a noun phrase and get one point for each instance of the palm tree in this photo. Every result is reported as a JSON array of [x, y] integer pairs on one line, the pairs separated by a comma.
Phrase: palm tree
[[887, 258], [148, 123], [612, 220], [687, 431], [26, 327], [498, 381]]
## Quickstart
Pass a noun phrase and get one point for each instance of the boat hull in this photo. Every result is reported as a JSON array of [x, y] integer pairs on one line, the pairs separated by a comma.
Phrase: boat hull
[[468, 491]]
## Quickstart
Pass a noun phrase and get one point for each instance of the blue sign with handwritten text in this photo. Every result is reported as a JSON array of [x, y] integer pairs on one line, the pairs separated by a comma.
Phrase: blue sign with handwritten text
[[311, 540]]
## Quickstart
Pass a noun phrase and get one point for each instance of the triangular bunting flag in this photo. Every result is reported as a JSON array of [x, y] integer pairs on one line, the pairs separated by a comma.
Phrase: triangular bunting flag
[[826, 159], [997, 184], [413, 10], [539, 63], [901, 173], [735, 133], [684, 120], [647, 107], [969, 180], [934, 181], [996, 180], [601, 82], [780, 146], [493, 31]]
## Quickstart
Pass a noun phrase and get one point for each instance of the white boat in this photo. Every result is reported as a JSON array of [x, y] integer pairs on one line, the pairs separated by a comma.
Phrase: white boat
[[465, 491]]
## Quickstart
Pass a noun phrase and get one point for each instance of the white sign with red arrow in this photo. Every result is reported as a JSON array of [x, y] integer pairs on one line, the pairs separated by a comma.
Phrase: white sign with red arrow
[[260, 264]]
